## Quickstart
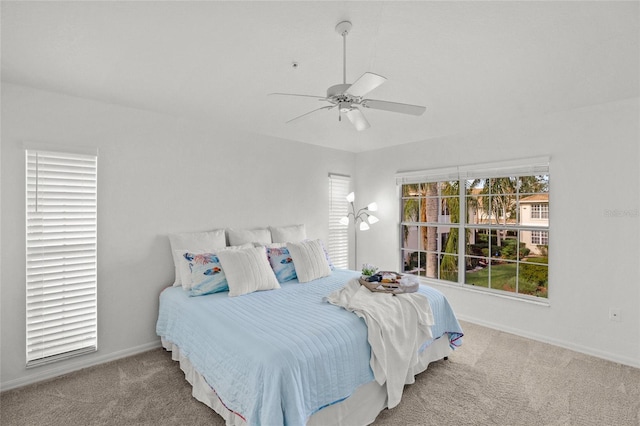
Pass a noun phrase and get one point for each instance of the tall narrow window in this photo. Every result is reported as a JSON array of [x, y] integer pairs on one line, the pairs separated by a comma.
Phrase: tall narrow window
[[61, 255], [338, 208]]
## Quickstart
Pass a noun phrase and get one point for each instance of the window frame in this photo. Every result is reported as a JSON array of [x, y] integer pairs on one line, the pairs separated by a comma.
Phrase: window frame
[[338, 238], [461, 175], [61, 218]]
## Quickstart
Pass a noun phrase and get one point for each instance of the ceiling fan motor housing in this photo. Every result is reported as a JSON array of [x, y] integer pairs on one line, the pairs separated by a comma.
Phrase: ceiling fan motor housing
[[336, 95]]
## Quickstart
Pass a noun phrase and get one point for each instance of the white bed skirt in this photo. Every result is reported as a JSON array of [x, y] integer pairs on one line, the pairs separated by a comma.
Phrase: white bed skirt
[[361, 408]]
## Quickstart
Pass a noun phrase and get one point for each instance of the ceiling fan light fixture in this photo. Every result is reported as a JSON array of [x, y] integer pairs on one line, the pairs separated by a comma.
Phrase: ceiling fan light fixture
[[345, 106]]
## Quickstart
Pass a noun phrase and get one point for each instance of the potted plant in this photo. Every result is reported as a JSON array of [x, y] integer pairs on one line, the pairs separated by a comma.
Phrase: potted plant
[[368, 270]]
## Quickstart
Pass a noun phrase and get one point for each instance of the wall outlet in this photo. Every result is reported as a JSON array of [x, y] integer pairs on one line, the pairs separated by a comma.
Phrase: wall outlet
[[614, 314]]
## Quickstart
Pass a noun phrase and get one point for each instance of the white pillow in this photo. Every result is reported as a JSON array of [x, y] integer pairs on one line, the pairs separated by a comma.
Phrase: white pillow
[[288, 234], [204, 241], [240, 247], [309, 259], [272, 245], [247, 270], [242, 236]]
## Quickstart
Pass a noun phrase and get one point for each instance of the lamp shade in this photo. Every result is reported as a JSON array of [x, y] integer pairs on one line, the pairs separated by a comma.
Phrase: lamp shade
[[344, 220], [372, 219], [364, 226], [372, 206], [351, 197]]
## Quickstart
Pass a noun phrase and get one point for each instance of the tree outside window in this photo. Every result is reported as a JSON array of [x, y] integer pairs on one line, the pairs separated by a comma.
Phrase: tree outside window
[[502, 250]]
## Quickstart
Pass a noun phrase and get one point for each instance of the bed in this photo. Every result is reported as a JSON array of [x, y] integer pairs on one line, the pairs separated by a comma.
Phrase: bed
[[286, 357]]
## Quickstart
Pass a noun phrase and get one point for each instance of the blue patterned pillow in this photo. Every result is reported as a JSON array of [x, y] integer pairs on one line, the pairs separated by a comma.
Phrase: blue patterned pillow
[[206, 273], [326, 253], [281, 263]]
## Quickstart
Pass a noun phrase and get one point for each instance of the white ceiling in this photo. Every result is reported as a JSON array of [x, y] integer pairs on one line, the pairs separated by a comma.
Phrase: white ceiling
[[472, 64]]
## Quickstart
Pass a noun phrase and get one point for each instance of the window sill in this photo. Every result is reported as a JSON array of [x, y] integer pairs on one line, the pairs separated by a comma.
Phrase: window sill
[[487, 291], [61, 357]]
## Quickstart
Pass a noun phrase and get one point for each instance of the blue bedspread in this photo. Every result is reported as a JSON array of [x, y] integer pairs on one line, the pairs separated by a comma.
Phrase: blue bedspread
[[276, 357]]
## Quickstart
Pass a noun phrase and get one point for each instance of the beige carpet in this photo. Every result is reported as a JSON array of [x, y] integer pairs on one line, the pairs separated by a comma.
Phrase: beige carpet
[[495, 378]]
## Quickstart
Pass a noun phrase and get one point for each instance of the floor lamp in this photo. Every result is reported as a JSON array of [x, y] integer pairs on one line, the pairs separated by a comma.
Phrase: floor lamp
[[361, 220]]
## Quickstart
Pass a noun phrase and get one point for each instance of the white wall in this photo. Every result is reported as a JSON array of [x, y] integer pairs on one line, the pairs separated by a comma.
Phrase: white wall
[[594, 255], [159, 174], [156, 175]]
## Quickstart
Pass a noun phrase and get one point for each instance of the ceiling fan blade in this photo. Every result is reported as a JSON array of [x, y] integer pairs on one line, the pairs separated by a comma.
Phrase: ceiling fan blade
[[320, 98], [366, 83], [311, 112], [393, 107], [357, 119]]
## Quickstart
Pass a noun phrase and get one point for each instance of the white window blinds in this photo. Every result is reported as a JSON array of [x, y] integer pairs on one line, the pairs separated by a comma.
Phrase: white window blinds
[[338, 208], [522, 167], [61, 257]]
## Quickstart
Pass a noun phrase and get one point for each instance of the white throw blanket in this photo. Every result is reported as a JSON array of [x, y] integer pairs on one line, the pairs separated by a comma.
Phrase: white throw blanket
[[397, 327]]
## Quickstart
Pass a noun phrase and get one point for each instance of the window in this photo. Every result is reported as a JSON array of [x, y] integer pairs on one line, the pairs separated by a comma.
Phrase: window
[[540, 211], [61, 255], [428, 211], [472, 225], [338, 245], [540, 237]]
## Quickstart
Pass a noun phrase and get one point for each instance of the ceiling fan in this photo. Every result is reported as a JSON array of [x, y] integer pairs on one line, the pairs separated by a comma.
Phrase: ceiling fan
[[349, 98]]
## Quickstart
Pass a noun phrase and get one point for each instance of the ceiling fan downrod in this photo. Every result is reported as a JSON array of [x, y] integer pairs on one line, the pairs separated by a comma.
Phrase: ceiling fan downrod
[[343, 29]]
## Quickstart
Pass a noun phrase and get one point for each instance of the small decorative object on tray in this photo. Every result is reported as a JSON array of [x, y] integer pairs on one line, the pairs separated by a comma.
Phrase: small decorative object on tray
[[390, 282], [368, 270], [383, 281]]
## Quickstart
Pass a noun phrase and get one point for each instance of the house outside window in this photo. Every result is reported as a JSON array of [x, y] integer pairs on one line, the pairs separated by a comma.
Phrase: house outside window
[[540, 211], [534, 211], [488, 238], [539, 238]]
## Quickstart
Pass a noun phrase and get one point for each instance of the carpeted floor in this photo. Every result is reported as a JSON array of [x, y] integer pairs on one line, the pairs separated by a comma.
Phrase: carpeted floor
[[495, 378]]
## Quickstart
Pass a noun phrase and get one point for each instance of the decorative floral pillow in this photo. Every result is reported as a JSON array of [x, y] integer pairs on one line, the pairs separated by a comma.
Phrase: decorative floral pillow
[[326, 253], [206, 273], [281, 263], [199, 242]]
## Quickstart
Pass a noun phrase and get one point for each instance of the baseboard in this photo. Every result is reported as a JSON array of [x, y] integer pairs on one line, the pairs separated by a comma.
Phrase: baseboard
[[69, 368], [545, 339], [77, 365]]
